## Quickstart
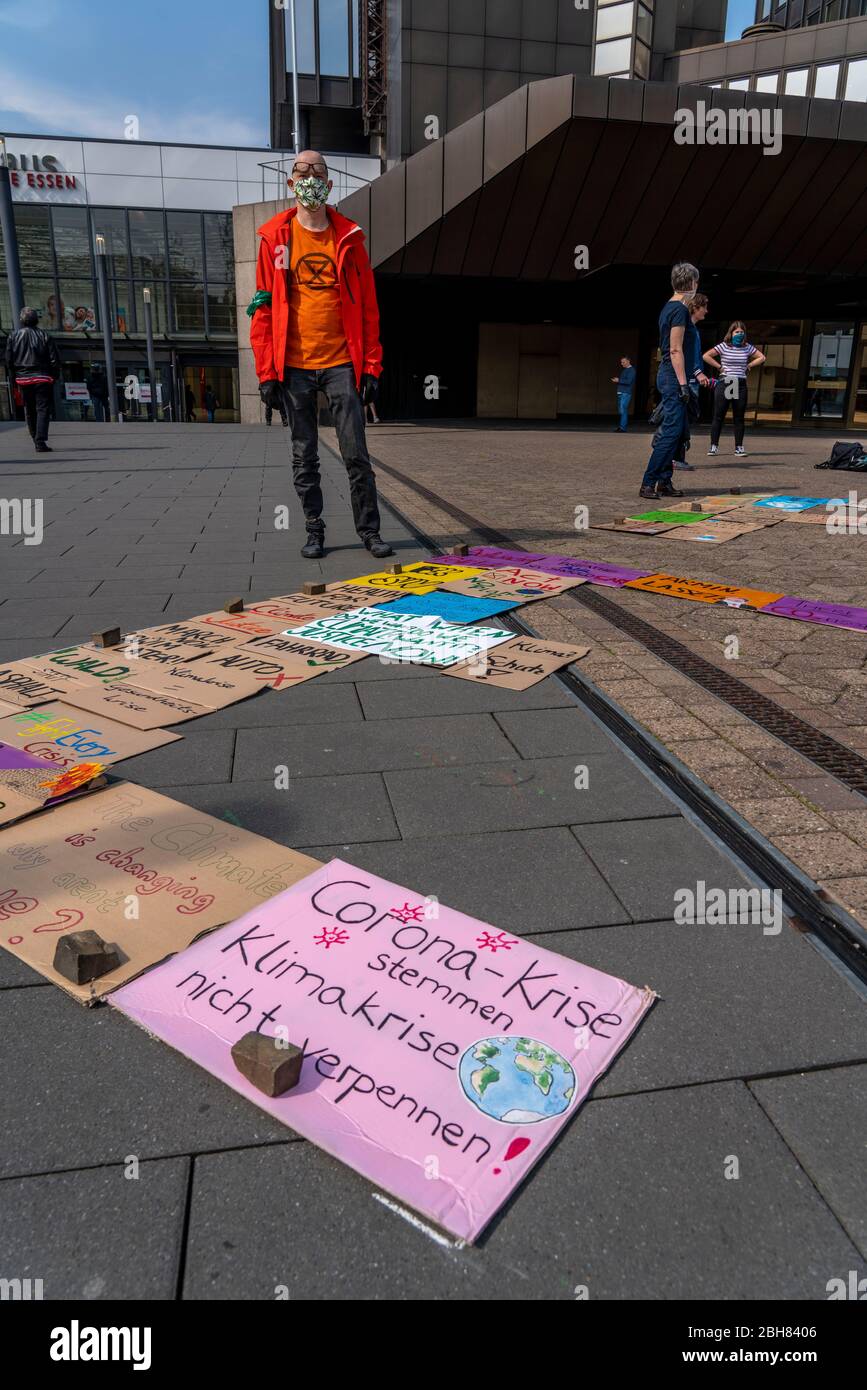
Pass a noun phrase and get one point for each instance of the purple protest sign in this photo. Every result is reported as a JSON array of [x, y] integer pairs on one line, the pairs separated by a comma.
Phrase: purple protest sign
[[814, 611], [491, 557], [595, 571]]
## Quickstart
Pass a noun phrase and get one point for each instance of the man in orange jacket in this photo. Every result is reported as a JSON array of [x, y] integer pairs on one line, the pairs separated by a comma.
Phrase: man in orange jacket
[[315, 327]]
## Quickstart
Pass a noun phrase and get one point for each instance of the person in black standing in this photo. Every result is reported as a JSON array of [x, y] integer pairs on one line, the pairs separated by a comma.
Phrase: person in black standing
[[34, 366], [97, 389], [189, 405]]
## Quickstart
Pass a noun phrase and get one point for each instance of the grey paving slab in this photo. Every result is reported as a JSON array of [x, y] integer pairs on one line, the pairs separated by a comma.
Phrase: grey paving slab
[[314, 702], [307, 812], [202, 755], [371, 746], [440, 694], [822, 1116], [520, 795], [523, 881], [48, 625], [722, 1011], [98, 1234], [372, 669], [648, 861], [545, 733], [60, 1113]]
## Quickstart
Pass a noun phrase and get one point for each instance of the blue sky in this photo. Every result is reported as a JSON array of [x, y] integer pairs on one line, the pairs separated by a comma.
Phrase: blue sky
[[190, 70]]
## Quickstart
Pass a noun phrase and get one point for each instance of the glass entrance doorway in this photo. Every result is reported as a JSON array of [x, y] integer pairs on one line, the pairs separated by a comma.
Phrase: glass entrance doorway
[[828, 371], [211, 394]]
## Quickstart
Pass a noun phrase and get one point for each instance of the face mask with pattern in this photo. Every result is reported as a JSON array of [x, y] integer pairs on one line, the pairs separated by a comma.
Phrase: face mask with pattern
[[311, 192]]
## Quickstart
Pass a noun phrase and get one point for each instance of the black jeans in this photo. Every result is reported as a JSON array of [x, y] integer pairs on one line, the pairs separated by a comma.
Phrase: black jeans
[[37, 409], [738, 386], [338, 385]]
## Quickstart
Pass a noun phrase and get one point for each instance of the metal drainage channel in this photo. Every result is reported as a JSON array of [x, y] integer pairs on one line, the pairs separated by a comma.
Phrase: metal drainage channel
[[811, 910]]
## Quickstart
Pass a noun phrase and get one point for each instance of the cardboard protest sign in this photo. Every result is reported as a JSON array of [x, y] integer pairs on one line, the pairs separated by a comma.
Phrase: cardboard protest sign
[[813, 611], [795, 504], [242, 625], [518, 663], [161, 651], [712, 532], [87, 665], [396, 583], [6, 707], [342, 596], [492, 557], [140, 708], [747, 515], [636, 528], [441, 572], [676, 586], [181, 638], [28, 783], [511, 581], [66, 736], [403, 637], [443, 1039], [730, 499], [208, 680], [669, 518], [455, 608], [140, 869], [21, 686], [288, 660], [594, 571]]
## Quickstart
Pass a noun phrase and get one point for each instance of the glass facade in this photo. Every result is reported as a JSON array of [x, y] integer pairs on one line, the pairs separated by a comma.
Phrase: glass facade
[[623, 36], [186, 259], [845, 81], [798, 13]]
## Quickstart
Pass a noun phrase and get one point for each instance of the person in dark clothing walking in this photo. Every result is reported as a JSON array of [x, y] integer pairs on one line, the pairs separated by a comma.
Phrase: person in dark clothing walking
[[212, 405], [625, 384], [189, 405], [33, 365], [671, 382], [97, 389]]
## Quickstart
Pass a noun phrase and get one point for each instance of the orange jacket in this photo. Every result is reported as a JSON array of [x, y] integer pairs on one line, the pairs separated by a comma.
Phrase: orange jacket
[[360, 311]]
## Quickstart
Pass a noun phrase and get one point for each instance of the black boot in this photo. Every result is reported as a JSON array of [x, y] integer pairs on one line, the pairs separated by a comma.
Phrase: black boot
[[647, 492], [42, 447], [315, 548], [378, 547], [666, 490]]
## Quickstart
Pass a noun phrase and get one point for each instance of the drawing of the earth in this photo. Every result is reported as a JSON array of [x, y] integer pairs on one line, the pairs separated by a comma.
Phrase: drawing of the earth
[[516, 1080]]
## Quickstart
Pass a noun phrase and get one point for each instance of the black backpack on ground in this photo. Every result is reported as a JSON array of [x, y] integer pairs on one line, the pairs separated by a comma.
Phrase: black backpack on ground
[[845, 455]]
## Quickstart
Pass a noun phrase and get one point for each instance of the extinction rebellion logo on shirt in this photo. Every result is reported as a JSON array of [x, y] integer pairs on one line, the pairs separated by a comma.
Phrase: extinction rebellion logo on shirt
[[316, 271]]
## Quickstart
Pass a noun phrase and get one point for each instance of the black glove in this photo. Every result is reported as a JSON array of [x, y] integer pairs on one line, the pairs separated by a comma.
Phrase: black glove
[[271, 394], [684, 393], [369, 389]]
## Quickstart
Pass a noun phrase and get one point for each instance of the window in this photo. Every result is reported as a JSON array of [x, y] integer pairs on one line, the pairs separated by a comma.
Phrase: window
[[825, 82], [830, 359], [614, 20], [739, 84], [188, 305], [221, 309], [767, 82], [159, 307], [796, 82], [334, 37], [185, 245], [71, 241], [644, 25], [110, 223], [34, 240], [305, 35], [642, 60], [856, 81], [77, 306], [219, 246], [614, 56], [147, 235]]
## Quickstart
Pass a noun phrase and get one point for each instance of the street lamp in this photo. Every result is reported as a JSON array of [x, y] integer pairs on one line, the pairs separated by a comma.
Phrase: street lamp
[[149, 331], [108, 345]]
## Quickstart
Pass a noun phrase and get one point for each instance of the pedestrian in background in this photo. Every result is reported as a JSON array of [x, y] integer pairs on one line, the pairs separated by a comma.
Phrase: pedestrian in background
[[97, 389], [212, 405], [189, 405], [32, 364], [734, 357], [671, 382], [625, 383]]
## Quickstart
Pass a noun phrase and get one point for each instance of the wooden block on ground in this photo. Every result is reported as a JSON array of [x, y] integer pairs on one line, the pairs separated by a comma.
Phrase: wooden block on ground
[[233, 605], [109, 637], [269, 1064], [313, 588], [82, 956]]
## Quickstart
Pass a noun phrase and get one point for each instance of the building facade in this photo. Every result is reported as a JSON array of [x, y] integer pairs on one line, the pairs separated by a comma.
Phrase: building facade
[[534, 195], [165, 213]]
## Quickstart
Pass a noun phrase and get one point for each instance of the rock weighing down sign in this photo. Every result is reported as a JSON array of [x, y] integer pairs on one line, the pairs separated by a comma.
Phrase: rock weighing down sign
[[441, 1056]]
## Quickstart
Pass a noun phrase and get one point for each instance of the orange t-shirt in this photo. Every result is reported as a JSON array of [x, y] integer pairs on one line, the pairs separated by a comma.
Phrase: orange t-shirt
[[315, 337]]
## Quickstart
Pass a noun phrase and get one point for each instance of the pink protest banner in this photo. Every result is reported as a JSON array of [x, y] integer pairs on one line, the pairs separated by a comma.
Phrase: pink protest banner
[[810, 610], [595, 571], [441, 1055], [491, 557]]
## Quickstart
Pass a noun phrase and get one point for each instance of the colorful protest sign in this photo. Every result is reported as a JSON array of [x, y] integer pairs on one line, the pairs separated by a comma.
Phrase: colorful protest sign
[[440, 1058], [813, 611], [595, 571], [242, 625], [455, 608], [491, 556], [140, 708], [407, 583], [511, 582], [28, 783], [140, 869], [518, 663], [669, 518], [676, 586], [795, 504], [403, 637], [442, 573], [288, 660], [339, 597], [66, 736], [712, 531]]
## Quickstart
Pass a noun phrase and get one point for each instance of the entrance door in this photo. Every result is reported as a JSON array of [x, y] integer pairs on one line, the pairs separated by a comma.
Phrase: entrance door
[[211, 390], [828, 372], [537, 387]]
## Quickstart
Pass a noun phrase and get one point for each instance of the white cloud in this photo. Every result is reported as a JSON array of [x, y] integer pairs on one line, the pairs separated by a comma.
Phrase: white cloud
[[36, 107], [22, 14]]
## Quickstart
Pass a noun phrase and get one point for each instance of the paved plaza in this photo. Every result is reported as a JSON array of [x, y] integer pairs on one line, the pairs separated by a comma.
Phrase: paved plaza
[[757, 1047]]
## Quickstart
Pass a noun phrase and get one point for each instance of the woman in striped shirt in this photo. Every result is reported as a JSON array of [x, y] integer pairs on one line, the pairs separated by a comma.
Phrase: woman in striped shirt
[[733, 358]]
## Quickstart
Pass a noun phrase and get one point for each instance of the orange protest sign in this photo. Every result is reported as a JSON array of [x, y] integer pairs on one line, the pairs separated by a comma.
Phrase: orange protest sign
[[701, 591]]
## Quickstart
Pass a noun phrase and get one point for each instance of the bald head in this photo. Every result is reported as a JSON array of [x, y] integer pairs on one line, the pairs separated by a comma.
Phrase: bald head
[[310, 162]]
